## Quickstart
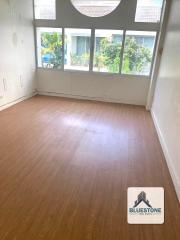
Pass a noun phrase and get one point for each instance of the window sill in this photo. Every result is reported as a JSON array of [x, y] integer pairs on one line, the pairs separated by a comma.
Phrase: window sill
[[95, 73]]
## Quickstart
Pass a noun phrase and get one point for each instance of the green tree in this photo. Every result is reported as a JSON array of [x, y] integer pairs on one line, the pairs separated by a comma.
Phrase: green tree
[[136, 56], [52, 44], [111, 52], [108, 56]]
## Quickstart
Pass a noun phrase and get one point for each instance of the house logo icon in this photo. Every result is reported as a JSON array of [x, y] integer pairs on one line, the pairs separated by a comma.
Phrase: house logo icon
[[145, 205], [142, 198]]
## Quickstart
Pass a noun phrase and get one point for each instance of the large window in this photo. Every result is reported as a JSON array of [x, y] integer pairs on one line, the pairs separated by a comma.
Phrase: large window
[[114, 51], [95, 8], [108, 44], [77, 49], [83, 44], [45, 9], [148, 10], [138, 52], [49, 47]]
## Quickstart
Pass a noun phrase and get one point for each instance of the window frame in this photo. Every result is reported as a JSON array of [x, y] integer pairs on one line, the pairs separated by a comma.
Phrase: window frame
[[37, 51], [92, 48], [161, 15], [45, 19], [123, 26], [120, 53], [98, 15], [153, 54], [63, 46]]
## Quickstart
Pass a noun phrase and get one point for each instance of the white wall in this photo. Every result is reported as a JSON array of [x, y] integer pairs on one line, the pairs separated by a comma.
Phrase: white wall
[[166, 105], [17, 60], [103, 87]]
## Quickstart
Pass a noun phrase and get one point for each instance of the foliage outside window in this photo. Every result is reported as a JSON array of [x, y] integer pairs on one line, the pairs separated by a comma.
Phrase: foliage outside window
[[108, 44], [49, 43], [138, 52], [77, 49]]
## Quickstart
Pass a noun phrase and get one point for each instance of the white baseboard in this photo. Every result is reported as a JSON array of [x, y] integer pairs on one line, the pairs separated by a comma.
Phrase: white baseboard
[[7, 105], [110, 100], [174, 176]]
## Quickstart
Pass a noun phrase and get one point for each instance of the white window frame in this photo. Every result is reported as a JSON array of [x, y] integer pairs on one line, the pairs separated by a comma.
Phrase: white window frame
[[69, 69], [60, 30], [92, 46], [46, 19], [158, 22]]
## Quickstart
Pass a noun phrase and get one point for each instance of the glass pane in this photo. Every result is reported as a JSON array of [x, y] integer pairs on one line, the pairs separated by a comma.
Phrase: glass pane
[[77, 49], [138, 52], [45, 9], [107, 50], [148, 10], [94, 8], [49, 47]]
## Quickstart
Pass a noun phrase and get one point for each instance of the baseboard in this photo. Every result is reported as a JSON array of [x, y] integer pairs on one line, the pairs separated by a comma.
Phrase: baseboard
[[99, 99], [168, 158], [9, 104]]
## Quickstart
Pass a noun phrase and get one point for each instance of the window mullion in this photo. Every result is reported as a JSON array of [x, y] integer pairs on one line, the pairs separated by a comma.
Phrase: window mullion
[[154, 52], [63, 53], [92, 49], [122, 52]]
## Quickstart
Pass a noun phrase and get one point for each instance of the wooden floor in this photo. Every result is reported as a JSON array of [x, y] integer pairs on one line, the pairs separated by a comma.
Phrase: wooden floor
[[65, 166]]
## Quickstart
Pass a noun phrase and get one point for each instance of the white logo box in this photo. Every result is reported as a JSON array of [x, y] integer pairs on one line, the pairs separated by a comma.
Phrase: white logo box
[[145, 205]]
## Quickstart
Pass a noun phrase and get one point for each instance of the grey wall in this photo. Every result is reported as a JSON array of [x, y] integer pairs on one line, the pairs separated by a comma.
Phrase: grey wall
[[121, 18], [17, 59], [166, 105]]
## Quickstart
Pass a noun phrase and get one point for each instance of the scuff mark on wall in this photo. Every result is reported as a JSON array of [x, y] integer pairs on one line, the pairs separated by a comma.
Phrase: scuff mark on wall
[[15, 39], [17, 62]]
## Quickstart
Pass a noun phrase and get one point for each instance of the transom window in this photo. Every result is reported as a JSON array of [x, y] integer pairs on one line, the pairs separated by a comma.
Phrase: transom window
[[95, 8], [149, 10], [45, 9]]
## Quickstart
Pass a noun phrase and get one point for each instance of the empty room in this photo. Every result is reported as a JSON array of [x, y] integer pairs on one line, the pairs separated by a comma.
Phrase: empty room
[[89, 120]]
